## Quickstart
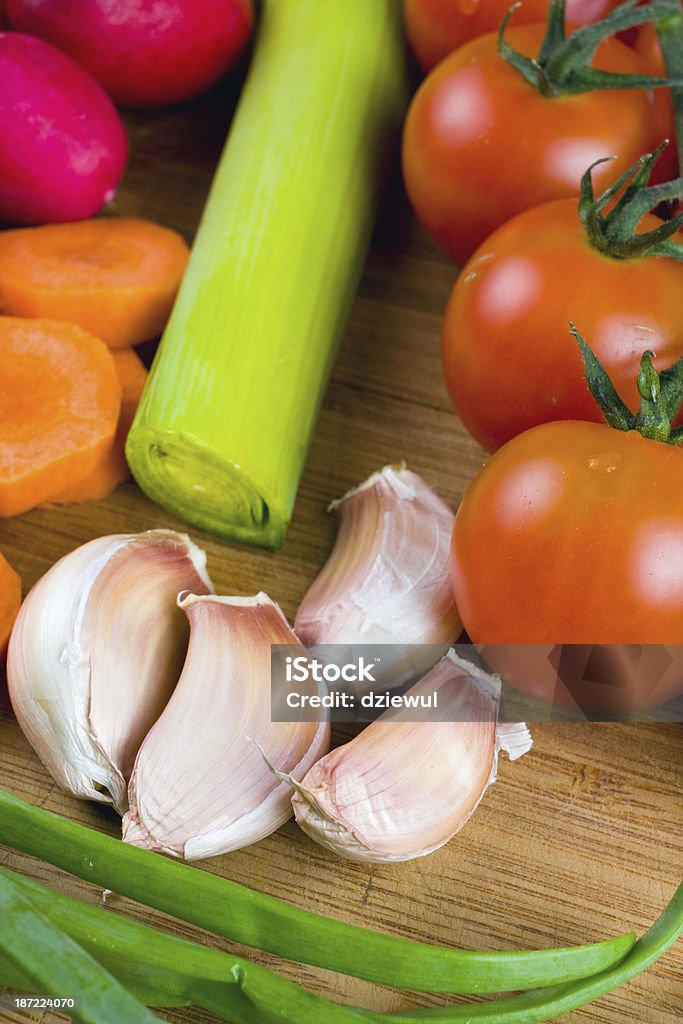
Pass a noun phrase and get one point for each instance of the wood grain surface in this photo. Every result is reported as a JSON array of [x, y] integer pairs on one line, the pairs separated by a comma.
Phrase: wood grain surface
[[580, 840]]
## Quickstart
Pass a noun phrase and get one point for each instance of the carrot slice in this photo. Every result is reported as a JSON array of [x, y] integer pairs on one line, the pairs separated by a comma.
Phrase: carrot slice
[[59, 406], [112, 468], [114, 277], [10, 599]]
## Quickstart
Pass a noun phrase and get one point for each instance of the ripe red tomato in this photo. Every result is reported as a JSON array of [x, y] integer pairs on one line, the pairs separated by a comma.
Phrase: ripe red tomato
[[437, 27], [143, 54], [647, 45], [480, 144], [573, 534], [508, 357]]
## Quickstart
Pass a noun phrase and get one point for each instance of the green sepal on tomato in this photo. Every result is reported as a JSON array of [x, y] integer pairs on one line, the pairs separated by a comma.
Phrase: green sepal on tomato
[[481, 143], [508, 360], [573, 534]]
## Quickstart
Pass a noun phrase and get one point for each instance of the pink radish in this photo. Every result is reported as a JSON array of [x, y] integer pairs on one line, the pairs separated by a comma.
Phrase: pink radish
[[63, 147], [143, 53]]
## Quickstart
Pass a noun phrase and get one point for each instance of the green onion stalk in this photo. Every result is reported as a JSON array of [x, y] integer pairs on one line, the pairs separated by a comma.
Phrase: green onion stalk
[[263, 922], [161, 970]]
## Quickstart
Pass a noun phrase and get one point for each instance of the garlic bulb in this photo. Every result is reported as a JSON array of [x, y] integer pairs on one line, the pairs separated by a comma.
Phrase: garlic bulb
[[95, 653], [387, 580], [201, 785], [402, 788]]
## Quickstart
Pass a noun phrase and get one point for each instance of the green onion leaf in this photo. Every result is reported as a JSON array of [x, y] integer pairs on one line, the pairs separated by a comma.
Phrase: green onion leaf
[[59, 967], [244, 915]]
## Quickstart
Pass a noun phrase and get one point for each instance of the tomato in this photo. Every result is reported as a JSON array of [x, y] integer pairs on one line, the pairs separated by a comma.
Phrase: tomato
[[480, 144], [573, 534], [647, 45], [437, 27], [508, 357]]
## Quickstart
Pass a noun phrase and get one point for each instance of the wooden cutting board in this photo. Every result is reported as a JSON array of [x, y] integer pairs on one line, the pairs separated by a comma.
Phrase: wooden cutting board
[[580, 840]]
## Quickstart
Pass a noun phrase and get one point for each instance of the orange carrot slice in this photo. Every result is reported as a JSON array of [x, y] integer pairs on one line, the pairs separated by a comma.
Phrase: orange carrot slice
[[112, 468], [114, 277], [10, 599], [59, 406]]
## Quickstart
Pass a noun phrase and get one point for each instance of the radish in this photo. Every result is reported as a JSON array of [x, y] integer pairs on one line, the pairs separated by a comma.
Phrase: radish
[[144, 54], [63, 147]]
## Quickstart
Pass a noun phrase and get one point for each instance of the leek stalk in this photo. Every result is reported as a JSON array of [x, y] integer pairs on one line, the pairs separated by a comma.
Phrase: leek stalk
[[222, 431]]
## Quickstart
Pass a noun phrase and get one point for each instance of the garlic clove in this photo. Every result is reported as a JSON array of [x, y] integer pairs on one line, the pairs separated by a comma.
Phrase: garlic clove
[[387, 580], [201, 786], [401, 789], [95, 653]]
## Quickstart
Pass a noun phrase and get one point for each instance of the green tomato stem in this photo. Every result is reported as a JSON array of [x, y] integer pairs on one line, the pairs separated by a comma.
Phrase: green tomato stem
[[661, 396], [563, 64], [670, 33], [615, 233]]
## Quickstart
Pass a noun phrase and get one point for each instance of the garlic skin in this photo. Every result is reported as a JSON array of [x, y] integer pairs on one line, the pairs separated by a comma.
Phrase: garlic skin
[[401, 789], [201, 785], [95, 653], [387, 580]]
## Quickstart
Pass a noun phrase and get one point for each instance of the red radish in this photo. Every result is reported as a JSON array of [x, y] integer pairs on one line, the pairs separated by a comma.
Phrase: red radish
[[143, 52], [63, 147]]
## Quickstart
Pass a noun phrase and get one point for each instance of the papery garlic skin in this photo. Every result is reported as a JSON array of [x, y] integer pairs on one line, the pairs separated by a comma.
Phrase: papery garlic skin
[[387, 580], [95, 653], [201, 785], [401, 789]]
